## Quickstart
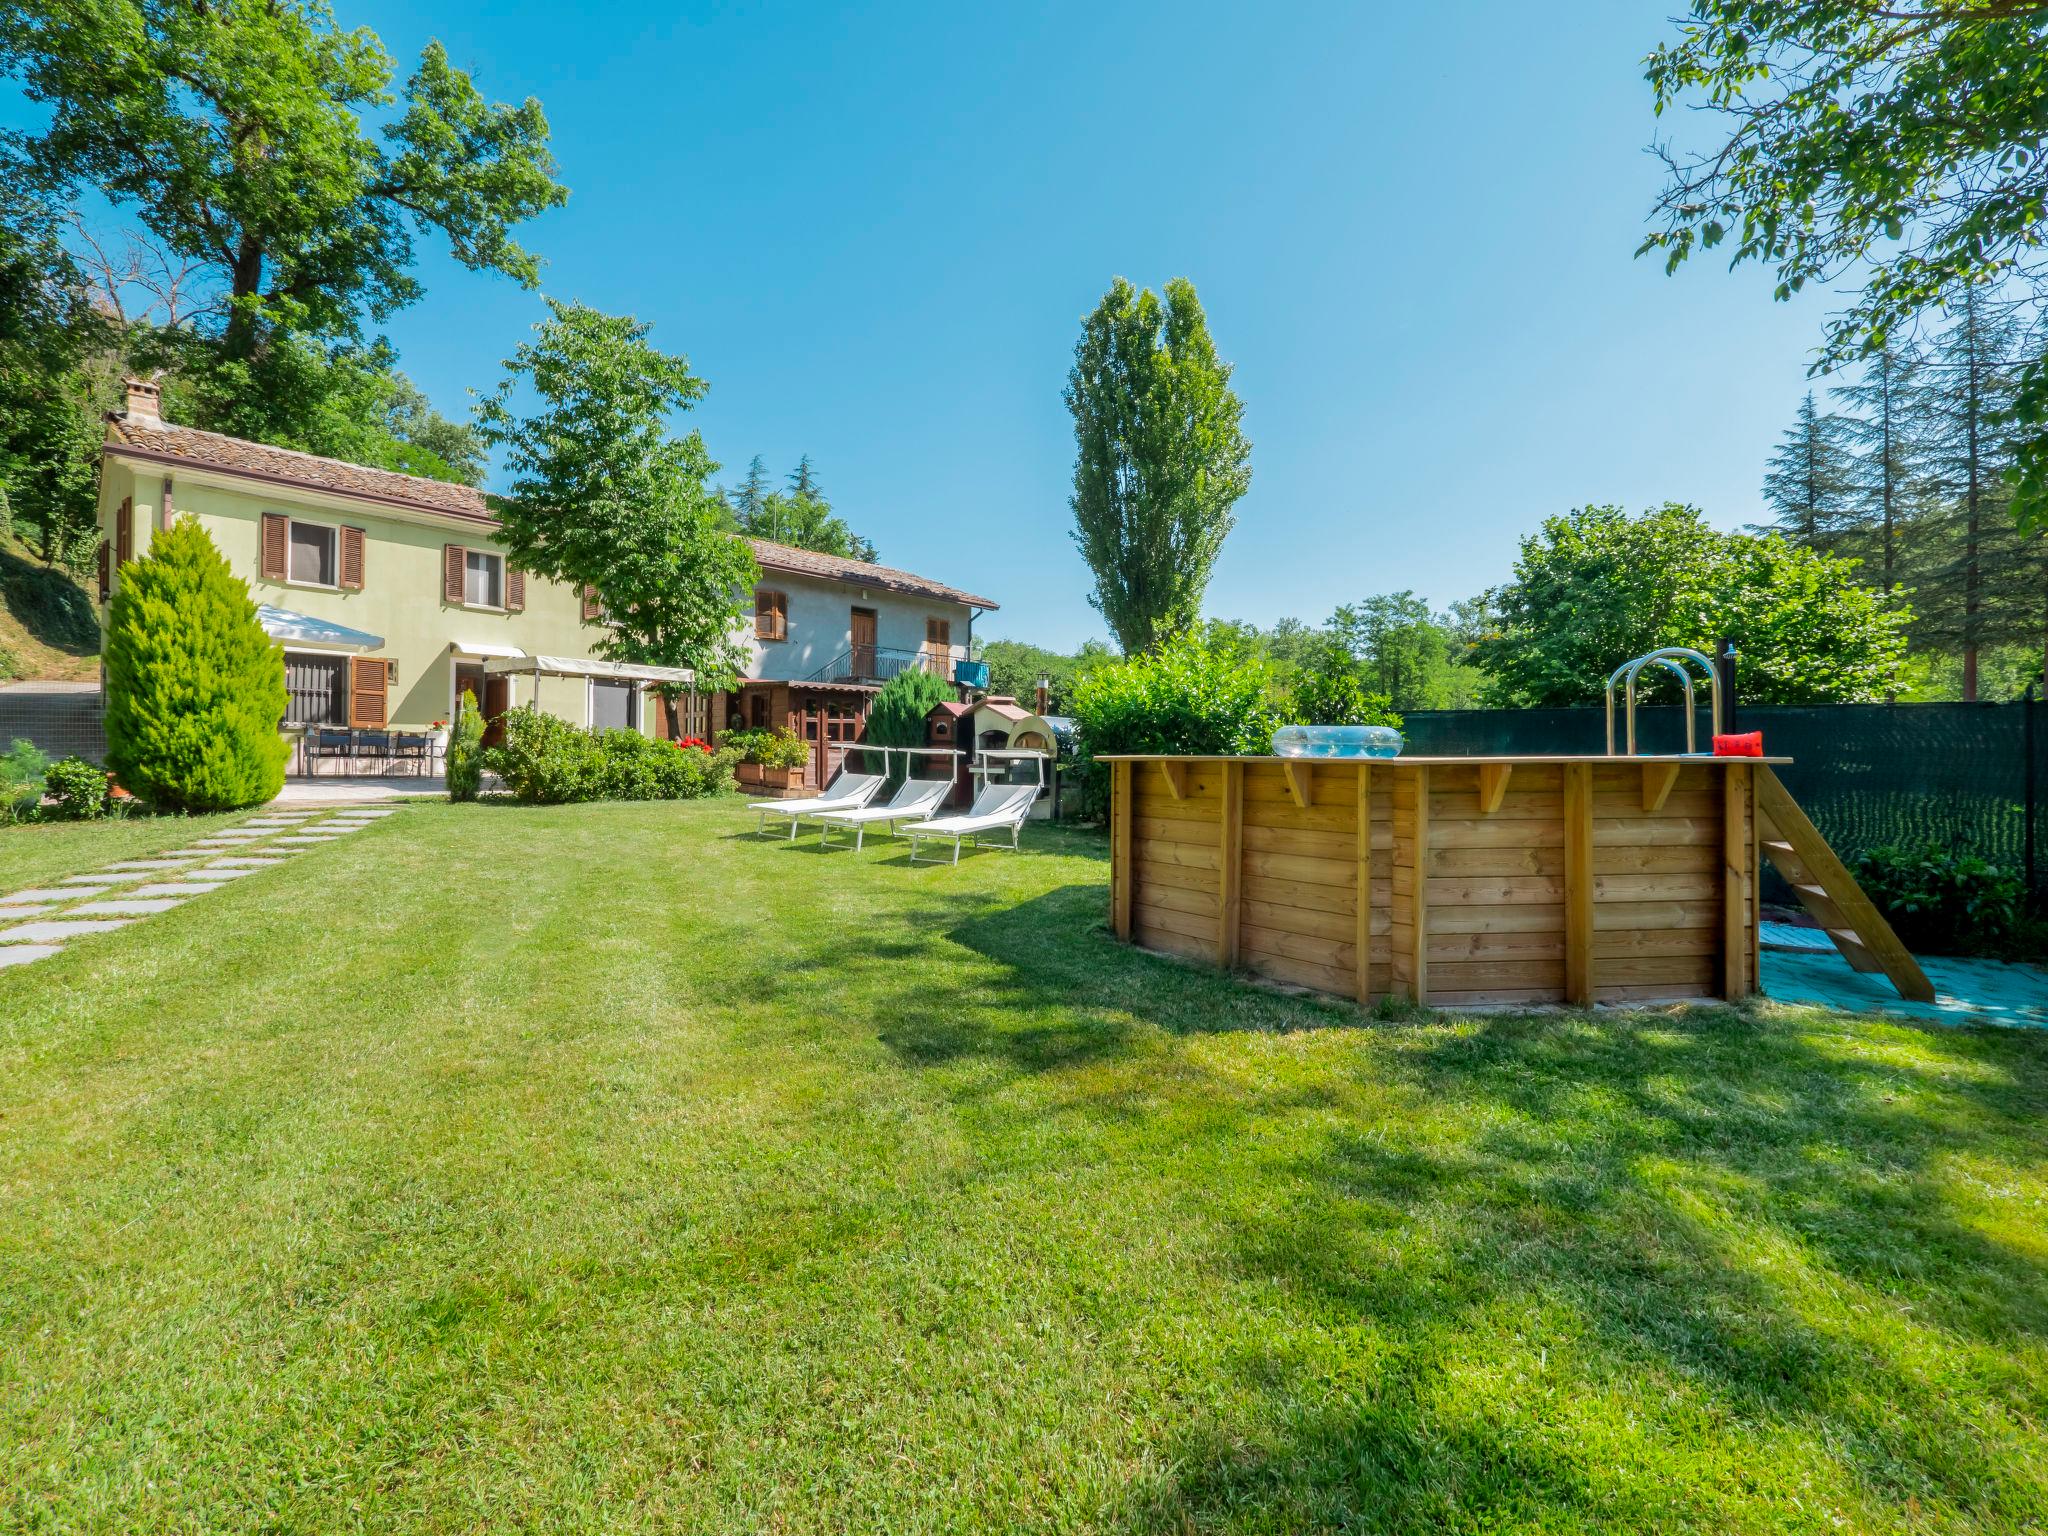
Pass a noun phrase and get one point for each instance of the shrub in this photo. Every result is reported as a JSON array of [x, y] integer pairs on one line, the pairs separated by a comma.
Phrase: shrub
[[81, 791], [771, 749], [195, 689], [1942, 901], [465, 750], [896, 718], [547, 761], [1330, 690], [1185, 697], [21, 782]]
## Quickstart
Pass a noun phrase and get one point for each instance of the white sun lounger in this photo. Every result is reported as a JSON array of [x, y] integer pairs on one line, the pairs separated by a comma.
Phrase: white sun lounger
[[848, 792], [914, 801], [999, 807]]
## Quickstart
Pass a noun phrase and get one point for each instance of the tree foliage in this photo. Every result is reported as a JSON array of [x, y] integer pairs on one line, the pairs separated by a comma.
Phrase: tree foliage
[[1015, 666], [1597, 587], [1160, 459], [1330, 688], [195, 688], [603, 495], [1183, 696], [1810, 484], [1409, 655], [1899, 146], [896, 718], [800, 517], [240, 135]]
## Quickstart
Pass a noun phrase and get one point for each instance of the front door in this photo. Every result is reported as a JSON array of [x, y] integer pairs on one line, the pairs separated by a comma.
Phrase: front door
[[864, 658], [497, 700]]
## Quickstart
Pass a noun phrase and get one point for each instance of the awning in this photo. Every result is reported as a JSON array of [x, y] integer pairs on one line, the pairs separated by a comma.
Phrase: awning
[[485, 652], [572, 666], [299, 629]]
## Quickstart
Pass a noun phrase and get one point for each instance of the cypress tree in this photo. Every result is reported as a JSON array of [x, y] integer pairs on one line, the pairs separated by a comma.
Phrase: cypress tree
[[195, 688]]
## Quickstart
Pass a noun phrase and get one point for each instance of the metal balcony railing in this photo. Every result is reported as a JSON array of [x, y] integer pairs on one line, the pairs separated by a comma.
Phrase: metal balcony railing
[[878, 663]]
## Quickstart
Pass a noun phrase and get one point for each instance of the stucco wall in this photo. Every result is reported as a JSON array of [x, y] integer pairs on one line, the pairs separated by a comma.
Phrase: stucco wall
[[402, 596], [821, 625]]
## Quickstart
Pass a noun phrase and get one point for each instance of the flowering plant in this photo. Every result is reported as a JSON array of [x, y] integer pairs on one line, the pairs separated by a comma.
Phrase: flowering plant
[[696, 742]]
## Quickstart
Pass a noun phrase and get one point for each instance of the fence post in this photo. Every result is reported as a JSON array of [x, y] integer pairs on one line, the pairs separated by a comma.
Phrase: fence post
[[2028, 776], [1724, 664]]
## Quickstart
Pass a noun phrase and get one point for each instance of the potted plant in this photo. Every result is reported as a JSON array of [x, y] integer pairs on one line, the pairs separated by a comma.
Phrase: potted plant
[[781, 758], [748, 769]]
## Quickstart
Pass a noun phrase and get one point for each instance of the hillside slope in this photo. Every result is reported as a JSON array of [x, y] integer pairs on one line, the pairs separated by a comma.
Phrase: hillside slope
[[48, 630]]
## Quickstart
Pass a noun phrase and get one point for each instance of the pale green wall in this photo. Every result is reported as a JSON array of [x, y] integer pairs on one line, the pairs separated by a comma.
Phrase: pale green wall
[[402, 591]]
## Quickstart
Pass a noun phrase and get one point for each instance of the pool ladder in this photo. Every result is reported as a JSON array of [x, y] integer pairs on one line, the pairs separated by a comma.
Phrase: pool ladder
[[1671, 658]]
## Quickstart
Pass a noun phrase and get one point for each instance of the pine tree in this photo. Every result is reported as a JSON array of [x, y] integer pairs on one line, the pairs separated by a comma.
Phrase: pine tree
[[195, 689], [1811, 481], [1883, 431], [749, 499], [1978, 577]]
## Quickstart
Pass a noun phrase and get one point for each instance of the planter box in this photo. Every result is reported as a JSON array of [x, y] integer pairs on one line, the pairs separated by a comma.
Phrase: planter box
[[747, 773], [780, 778]]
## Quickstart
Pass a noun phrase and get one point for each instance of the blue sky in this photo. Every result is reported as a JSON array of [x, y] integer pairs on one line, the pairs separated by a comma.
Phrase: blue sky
[[876, 234]]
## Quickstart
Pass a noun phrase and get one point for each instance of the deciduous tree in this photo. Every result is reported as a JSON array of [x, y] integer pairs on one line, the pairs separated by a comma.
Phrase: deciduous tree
[[603, 495], [1160, 459]]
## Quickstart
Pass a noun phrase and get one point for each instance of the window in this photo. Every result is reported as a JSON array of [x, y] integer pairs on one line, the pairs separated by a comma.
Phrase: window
[[313, 557], [758, 704], [771, 615], [614, 706], [483, 579], [316, 689]]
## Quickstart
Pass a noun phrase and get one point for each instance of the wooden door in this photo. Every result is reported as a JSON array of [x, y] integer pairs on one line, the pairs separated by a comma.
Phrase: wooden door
[[864, 657], [497, 700]]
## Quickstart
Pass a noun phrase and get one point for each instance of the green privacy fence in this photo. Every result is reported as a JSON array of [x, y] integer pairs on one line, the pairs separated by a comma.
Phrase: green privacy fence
[[1961, 775]]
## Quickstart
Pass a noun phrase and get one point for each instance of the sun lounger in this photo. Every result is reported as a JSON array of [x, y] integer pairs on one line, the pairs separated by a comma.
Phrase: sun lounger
[[998, 808], [914, 801], [848, 792]]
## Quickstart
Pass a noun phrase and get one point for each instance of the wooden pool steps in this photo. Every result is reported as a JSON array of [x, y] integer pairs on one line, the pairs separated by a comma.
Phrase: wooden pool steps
[[1830, 893]]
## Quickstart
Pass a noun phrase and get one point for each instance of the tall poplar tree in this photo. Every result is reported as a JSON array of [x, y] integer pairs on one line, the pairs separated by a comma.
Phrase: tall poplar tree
[[1160, 459]]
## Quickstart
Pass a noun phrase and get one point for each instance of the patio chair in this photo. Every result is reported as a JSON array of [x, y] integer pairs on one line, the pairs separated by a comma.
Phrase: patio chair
[[375, 744], [328, 741], [847, 792], [415, 747], [914, 801], [997, 808]]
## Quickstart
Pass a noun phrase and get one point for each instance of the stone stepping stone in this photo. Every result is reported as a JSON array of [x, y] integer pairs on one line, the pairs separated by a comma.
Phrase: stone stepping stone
[[341, 826], [143, 866], [308, 837], [193, 853], [247, 866], [103, 878], [178, 888], [230, 872], [26, 954], [56, 931], [43, 893], [232, 837], [32, 909], [125, 907]]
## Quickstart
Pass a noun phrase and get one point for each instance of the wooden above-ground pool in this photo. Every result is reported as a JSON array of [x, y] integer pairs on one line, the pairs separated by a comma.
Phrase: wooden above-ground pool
[[1467, 880]]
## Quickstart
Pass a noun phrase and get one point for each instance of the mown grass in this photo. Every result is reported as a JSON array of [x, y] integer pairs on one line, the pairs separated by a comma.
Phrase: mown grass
[[37, 852], [602, 1168]]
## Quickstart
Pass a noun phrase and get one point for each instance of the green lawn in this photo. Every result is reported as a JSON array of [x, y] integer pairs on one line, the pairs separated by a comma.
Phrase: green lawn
[[33, 854], [605, 1169]]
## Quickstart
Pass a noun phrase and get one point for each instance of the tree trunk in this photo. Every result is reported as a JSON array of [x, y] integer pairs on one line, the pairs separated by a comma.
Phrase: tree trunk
[[245, 285], [672, 711]]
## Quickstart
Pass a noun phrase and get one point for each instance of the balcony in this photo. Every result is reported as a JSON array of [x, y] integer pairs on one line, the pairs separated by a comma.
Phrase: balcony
[[879, 663]]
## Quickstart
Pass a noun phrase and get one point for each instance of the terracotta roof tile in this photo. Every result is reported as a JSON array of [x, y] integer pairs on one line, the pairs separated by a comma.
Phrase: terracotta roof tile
[[808, 562], [164, 442]]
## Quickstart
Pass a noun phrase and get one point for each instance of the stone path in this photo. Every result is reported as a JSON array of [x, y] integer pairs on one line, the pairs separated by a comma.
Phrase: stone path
[[35, 923]]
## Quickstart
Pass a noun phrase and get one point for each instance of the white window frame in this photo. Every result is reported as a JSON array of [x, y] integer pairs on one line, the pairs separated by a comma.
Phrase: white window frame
[[292, 521], [638, 722], [469, 552]]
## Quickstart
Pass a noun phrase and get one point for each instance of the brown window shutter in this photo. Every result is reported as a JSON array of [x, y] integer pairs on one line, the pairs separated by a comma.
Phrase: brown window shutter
[[276, 540], [351, 559], [369, 679], [771, 615], [106, 570], [591, 607], [782, 615], [515, 589], [124, 532], [454, 567]]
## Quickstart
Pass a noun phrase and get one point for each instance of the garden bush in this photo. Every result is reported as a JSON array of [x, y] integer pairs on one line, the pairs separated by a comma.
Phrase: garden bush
[[195, 688], [547, 761], [1185, 697], [1943, 901], [79, 791], [465, 750], [22, 769], [771, 749]]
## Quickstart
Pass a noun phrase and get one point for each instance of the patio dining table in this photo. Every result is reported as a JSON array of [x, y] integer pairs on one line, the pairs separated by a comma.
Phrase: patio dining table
[[388, 746]]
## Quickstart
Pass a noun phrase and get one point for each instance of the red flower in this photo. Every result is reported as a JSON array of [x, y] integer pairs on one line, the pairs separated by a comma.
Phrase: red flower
[[696, 743]]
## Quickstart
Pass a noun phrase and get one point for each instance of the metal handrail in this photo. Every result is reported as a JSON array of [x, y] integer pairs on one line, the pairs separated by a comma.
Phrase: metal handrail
[[1670, 658], [880, 663]]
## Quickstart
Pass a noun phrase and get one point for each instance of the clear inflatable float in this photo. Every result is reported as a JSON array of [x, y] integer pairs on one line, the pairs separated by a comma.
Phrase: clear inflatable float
[[1337, 741]]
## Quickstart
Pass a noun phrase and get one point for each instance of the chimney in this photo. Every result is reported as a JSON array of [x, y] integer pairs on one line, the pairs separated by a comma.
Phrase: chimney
[[1044, 700], [145, 402]]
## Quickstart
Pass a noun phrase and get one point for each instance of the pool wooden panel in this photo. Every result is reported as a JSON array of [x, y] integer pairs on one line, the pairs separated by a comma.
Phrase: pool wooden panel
[[1448, 881]]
